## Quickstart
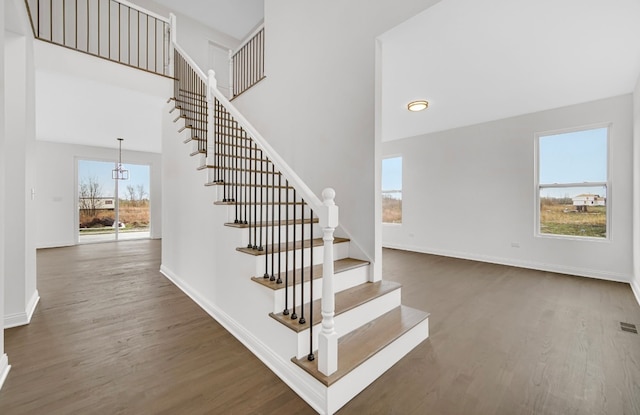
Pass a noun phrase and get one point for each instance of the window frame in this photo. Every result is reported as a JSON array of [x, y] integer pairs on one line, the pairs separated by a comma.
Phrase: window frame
[[392, 156], [607, 184]]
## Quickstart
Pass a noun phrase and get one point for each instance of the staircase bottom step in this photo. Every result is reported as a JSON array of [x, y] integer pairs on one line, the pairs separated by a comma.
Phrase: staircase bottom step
[[363, 343]]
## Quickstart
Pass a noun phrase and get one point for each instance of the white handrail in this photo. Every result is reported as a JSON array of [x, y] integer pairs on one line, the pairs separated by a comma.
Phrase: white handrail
[[143, 10], [248, 38], [326, 210], [191, 62]]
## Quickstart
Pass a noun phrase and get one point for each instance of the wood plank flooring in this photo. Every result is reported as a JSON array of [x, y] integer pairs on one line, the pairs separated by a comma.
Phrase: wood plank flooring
[[112, 336]]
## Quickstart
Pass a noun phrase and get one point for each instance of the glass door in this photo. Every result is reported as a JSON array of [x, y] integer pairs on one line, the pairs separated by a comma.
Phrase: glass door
[[102, 216]]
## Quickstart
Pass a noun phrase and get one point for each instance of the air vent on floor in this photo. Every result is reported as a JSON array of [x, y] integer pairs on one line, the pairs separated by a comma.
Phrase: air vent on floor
[[631, 328]]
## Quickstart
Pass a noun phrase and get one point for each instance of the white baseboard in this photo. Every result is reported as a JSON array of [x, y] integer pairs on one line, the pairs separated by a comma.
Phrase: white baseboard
[[23, 318], [540, 266], [4, 369], [310, 391], [635, 287]]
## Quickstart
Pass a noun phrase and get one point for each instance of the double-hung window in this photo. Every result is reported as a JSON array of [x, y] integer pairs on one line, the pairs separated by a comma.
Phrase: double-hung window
[[572, 184]]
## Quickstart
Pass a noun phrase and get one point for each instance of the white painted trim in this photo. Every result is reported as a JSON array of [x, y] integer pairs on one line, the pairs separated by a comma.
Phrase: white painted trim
[[635, 288], [24, 318], [5, 367], [292, 376], [540, 266], [143, 10], [538, 186], [248, 38]]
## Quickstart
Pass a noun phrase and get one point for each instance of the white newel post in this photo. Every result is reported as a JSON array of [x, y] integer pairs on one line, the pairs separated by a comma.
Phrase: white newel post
[[211, 127], [328, 338], [172, 38], [230, 74]]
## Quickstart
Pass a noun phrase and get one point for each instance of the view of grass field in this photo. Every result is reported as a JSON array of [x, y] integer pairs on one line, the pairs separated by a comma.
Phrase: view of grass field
[[558, 216], [133, 215], [391, 210]]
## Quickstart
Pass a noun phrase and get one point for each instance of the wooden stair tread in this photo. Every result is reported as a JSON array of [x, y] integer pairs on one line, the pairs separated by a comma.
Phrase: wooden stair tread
[[270, 223], [288, 247], [339, 266], [358, 346], [344, 301]]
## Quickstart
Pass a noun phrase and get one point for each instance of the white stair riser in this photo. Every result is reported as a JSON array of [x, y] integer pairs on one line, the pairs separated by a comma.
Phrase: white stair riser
[[352, 319], [269, 235], [353, 383], [340, 251], [253, 211], [342, 281]]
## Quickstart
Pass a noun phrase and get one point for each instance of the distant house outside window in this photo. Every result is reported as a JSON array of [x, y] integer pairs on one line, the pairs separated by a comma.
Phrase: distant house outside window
[[573, 183], [392, 190]]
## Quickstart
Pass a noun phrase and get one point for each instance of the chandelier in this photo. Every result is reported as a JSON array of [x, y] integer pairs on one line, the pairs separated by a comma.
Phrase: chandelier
[[120, 173]]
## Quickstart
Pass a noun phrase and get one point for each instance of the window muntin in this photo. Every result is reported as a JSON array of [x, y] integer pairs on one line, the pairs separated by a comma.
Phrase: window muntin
[[572, 183], [392, 190]]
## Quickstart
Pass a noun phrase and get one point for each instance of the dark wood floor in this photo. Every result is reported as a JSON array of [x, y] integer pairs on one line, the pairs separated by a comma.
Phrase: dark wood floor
[[113, 336]]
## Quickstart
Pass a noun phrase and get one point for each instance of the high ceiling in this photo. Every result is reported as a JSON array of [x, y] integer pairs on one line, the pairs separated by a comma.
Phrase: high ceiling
[[477, 61], [235, 18]]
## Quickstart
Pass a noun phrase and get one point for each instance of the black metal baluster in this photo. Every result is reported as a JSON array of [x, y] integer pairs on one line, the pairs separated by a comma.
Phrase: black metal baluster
[[262, 204], [311, 356], [294, 316], [247, 175], [286, 253], [266, 217], [302, 319], [279, 280], [273, 220], [255, 196]]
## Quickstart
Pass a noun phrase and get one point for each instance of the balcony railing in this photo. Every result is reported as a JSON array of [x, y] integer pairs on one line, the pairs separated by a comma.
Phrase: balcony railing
[[115, 30]]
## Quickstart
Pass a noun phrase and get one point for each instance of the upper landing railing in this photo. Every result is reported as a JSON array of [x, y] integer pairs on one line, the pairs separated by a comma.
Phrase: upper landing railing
[[115, 30], [247, 63]]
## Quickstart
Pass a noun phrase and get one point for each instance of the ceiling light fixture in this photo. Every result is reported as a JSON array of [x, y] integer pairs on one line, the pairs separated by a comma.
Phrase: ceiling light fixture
[[120, 173], [419, 105]]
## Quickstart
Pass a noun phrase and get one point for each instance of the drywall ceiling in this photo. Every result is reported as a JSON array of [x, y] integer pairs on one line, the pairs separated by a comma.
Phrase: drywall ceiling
[[235, 18], [477, 61]]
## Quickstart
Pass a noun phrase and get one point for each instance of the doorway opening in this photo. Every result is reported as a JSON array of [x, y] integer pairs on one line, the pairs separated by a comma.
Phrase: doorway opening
[[110, 209]]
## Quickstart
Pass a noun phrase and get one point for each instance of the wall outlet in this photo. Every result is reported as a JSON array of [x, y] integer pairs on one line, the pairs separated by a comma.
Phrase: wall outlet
[[515, 244]]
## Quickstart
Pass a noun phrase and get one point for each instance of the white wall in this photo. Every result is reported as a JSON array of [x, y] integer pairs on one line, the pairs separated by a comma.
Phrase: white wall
[[469, 193], [56, 202], [21, 294], [635, 283], [193, 36], [316, 105], [4, 363]]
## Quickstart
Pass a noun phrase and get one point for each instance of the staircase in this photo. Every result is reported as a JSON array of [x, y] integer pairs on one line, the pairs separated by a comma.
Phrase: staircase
[[279, 232], [312, 313]]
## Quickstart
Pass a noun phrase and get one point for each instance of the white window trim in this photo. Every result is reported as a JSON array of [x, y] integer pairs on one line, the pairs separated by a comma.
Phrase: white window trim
[[537, 186], [392, 156]]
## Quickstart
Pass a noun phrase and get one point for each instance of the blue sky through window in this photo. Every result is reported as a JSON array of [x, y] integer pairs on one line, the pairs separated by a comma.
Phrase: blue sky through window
[[392, 173], [138, 174], [576, 157]]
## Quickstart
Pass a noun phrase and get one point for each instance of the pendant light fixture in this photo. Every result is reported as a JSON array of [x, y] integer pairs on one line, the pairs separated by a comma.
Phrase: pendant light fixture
[[120, 173]]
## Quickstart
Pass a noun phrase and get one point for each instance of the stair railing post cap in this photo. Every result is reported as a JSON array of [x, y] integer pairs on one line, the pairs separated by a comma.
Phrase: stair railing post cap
[[328, 196]]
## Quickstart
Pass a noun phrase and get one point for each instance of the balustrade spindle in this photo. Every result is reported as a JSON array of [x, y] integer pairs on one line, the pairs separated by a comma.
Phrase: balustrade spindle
[[302, 319], [294, 316], [279, 280], [286, 253], [311, 356], [272, 277]]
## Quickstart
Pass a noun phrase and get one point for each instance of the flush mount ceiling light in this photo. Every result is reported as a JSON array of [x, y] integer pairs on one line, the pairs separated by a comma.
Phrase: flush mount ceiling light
[[419, 105]]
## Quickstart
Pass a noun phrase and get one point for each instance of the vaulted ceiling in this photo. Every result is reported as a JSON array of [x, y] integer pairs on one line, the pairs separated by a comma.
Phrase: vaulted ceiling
[[477, 61]]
